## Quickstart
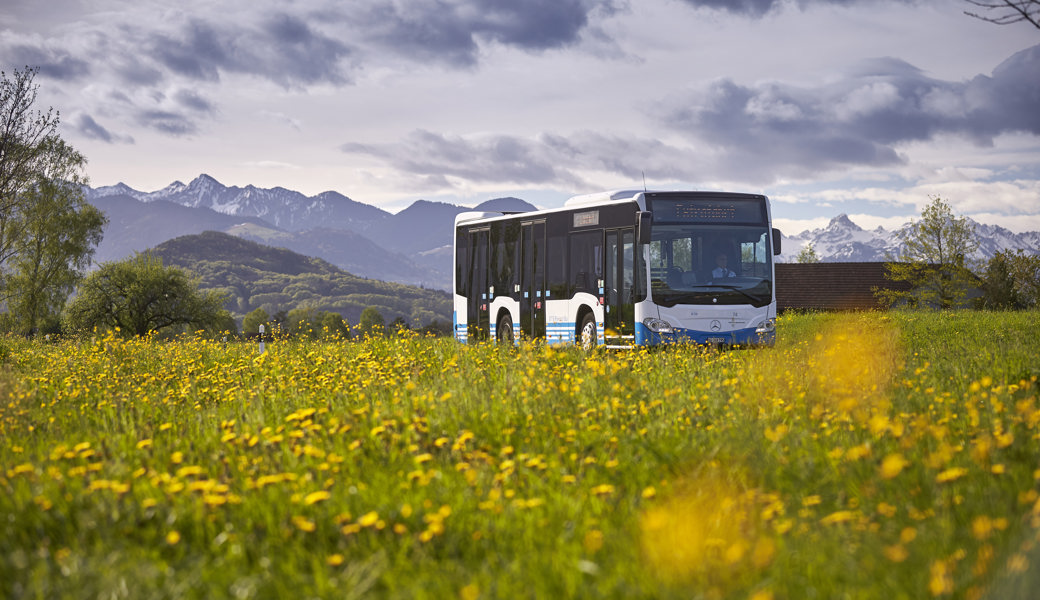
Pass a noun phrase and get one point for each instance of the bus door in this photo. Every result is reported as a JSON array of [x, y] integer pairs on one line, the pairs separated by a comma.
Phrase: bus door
[[478, 302], [618, 295], [532, 279]]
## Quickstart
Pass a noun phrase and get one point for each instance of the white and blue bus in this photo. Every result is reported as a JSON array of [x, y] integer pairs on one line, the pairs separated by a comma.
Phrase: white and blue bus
[[620, 269]]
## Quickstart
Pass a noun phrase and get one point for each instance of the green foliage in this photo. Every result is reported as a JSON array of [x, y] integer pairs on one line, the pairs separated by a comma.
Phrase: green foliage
[[47, 231], [873, 455], [276, 279], [60, 233], [935, 260], [807, 254], [139, 295], [1012, 281], [252, 321], [334, 326], [371, 322]]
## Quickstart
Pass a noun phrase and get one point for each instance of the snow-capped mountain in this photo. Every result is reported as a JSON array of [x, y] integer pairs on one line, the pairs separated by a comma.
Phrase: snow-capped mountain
[[285, 209], [419, 235], [407, 247], [844, 241]]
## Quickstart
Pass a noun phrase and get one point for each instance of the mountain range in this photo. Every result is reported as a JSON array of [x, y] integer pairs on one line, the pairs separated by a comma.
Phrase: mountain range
[[412, 246], [844, 241]]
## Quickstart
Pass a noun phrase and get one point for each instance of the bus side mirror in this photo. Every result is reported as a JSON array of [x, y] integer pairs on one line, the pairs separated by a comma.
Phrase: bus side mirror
[[776, 241], [643, 227]]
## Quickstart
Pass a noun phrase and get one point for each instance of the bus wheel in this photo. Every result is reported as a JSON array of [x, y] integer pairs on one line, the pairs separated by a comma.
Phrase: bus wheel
[[587, 333], [505, 330]]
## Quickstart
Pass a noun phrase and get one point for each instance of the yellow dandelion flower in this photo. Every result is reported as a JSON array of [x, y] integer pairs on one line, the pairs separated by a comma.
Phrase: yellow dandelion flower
[[981, 527], [303, 523], [892, 465], [315, 497], [334, 560], [173, 537], [951, 474], [841, 516], [368, 519], [896, 553]]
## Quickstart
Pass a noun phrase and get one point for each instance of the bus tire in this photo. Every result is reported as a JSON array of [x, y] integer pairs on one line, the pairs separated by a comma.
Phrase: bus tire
[[505, 330], [587, 334]]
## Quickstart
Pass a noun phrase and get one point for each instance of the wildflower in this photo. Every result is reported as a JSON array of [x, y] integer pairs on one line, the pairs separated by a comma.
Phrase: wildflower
[[951, 474], [892, 465], [841, 516], [315, 497]]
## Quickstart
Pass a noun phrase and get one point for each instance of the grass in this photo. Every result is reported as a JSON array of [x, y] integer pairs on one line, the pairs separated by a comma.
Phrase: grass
[[874, 455]]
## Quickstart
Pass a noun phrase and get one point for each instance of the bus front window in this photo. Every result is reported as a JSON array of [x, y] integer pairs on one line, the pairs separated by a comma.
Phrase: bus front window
[[691, 264]]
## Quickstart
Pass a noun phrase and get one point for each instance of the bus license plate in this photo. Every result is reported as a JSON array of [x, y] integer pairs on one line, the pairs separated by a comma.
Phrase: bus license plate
[[716, 340]]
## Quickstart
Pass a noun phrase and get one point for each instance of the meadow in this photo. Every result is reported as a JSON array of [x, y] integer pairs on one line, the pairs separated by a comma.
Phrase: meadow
[[873, 455]]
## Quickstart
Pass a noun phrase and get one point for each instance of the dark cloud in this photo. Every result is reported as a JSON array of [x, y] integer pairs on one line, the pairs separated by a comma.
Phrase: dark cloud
[[55, 63], [771, 130], [191, 100], [451, 32], [758, 8], [283, 49], [198, 52], [547, 160], [90, 128], [166, 121]]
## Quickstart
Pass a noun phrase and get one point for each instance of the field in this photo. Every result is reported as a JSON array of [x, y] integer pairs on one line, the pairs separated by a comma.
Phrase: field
[[877, 455]]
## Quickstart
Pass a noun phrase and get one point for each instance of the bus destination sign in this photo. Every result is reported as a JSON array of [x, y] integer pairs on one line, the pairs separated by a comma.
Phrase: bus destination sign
[[708, 210]]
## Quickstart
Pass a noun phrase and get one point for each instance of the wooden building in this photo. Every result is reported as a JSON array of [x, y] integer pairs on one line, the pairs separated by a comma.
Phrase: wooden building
[[831, 285]]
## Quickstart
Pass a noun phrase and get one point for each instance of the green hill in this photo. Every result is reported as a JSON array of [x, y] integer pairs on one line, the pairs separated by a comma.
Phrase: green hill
[[253, 275]]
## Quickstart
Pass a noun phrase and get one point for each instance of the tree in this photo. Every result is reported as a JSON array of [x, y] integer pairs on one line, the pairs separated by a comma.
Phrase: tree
[[47, 231], [304, 321], [1008, 11], [371, 322], [807, 254], [334, 326], [998, 286], [139, 295], [934, 259], [1012, 281], [60, 233], [253, 320]]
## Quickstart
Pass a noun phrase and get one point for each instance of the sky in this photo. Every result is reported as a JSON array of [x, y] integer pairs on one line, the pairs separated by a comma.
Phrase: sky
[[869, 108]]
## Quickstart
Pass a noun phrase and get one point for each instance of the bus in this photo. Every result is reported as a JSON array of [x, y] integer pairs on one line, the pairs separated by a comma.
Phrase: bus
[[620, 269]]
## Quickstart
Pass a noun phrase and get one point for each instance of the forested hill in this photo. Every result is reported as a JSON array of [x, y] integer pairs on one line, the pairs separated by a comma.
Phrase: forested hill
[[257, 276]]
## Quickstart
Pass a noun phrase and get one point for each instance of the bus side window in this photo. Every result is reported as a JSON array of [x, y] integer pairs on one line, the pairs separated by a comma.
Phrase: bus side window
[[461, 264], [586, 264], [556, 266]]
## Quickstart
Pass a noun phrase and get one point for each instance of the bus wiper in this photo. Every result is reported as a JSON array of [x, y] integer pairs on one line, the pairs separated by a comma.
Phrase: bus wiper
[[737, 289]]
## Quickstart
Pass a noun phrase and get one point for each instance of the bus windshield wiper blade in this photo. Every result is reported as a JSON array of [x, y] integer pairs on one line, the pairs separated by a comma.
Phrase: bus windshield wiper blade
[[737, 289]]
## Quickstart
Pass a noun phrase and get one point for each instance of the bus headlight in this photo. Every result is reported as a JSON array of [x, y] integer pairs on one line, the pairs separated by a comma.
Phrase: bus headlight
[[767, 326], [657, 325]]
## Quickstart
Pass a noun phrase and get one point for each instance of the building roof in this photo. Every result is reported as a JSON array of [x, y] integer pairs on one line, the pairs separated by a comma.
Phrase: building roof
[[831, 285]]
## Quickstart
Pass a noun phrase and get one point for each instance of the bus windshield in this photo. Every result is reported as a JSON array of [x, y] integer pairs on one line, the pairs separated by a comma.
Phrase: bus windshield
[[710, 264]]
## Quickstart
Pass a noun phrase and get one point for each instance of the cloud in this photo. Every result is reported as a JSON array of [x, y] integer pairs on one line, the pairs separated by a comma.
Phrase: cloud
[[53, 62], [765, 131], [167, 121], [282, 48], [758, 8], [548, 159], [88, 127], [451, 32]]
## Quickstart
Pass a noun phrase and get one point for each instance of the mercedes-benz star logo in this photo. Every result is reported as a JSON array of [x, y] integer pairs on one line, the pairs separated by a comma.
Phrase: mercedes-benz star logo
[[716, 326]]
